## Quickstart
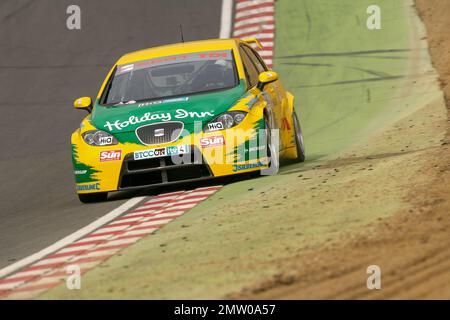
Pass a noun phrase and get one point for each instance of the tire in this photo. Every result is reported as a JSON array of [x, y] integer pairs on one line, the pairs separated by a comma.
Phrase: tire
[[93, 197], [298, 135]]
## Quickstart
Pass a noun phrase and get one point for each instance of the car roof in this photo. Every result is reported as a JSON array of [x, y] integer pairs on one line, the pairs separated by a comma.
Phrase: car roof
[[178, 48]]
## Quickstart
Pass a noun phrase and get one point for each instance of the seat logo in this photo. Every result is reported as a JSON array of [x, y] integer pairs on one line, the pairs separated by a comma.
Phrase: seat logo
[[159, 132]]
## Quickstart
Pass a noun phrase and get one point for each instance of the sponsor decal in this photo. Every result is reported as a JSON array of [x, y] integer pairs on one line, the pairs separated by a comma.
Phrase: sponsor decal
[[151, 103], [113, 155], [104, 141], [176, 150], [161, 152], [253, 149], [241, 167], [128, 102], [161, 116], [215, 126], [212, 141], [87, 187], [83, 172], [151, 153]]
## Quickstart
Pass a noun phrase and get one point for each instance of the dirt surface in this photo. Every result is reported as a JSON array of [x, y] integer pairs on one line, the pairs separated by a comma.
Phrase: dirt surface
[[436, 16], [411, 247]]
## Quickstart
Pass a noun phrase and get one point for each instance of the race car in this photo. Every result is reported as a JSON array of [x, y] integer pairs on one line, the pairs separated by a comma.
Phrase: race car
[[181, 113]]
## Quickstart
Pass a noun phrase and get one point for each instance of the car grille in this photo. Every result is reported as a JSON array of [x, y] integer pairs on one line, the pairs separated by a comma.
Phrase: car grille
[[157, 133], [163, 170]]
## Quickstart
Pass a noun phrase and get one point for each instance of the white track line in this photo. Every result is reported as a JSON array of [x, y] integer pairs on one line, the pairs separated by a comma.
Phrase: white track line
[[225, 19], [71, 238]]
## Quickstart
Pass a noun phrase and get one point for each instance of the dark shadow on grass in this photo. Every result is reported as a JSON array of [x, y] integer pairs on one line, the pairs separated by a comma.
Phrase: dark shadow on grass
[[336, 83], [305, 64]]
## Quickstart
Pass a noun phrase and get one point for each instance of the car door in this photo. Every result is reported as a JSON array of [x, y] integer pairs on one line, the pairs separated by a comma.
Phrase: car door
[[274, 92]]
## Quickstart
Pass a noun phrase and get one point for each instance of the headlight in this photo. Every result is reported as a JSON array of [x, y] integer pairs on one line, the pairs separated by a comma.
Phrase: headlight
[[226, 120], [99, 138]]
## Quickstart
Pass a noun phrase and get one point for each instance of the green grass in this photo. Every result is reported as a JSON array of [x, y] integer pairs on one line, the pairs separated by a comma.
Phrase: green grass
[[334, 66]]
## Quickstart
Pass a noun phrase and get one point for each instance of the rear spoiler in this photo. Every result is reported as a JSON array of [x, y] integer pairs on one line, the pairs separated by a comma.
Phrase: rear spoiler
[[253, 40]]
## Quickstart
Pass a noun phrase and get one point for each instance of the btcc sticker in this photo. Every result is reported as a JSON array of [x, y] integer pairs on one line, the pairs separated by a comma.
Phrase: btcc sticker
[[212, 141], [161, 152], [87, 187], [113, 155], [215, 126]]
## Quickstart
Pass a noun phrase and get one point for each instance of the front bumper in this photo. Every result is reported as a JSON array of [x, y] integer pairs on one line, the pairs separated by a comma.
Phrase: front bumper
[[119, 170], [163, 171]]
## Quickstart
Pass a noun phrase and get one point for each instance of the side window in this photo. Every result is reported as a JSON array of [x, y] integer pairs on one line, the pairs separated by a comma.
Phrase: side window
[[250, 69], [256, 59]]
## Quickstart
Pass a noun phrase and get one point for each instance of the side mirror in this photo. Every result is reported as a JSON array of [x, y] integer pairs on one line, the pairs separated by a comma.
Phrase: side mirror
[[265, 78], [84, 103]]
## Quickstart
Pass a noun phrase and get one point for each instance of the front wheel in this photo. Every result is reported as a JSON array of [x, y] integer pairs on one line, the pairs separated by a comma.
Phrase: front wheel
[[272, 151], [93, 197], [299, 143]]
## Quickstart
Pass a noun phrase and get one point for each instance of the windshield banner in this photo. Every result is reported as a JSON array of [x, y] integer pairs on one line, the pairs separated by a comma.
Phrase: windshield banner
[[188, 57]]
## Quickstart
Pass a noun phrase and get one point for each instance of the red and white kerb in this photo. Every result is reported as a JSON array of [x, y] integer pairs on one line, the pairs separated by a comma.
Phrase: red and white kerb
[[256, 18], [101, 244]]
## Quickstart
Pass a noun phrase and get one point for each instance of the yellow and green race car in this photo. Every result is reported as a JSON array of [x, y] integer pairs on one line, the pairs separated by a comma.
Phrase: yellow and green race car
[[181, 113]]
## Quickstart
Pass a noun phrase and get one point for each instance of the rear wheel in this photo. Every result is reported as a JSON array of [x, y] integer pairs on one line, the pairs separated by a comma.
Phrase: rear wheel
[[93, 197], [298, 139], [271, 153]]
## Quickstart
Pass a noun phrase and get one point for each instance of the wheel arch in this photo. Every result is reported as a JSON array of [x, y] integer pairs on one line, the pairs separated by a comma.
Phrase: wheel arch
[[290, 102]]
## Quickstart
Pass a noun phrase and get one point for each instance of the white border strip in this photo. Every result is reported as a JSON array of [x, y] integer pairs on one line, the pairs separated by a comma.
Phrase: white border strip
[[71, 238], [225, 19]]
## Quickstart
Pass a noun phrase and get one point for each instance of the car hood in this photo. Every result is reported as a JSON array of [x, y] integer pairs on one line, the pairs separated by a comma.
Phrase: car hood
[[189, 109]]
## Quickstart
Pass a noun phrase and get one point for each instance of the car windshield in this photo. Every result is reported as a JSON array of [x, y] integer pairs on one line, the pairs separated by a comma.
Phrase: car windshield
[[171, 76]]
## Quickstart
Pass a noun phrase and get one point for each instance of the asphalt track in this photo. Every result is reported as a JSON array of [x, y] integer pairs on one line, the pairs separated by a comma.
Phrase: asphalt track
[[43, 68]]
